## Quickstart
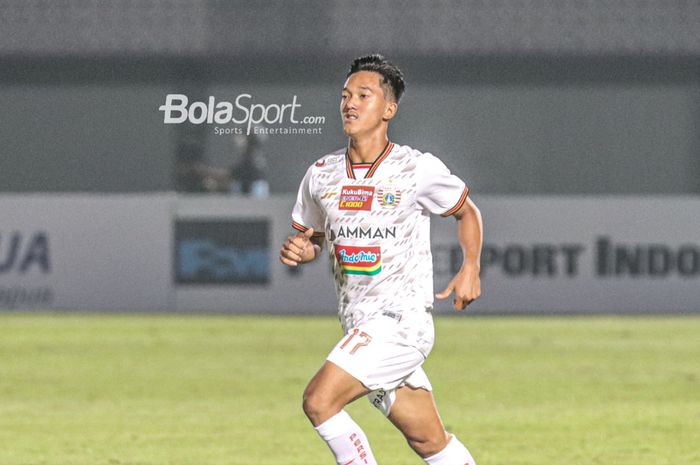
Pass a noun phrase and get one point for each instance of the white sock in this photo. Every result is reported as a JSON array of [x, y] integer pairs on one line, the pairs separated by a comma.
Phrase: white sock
[[453, 454], [346, 440]]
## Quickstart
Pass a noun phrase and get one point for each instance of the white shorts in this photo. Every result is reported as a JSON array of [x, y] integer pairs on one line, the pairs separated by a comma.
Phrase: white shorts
[[382, 361]]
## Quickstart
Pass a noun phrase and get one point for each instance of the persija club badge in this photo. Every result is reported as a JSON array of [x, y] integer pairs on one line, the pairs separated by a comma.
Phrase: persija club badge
[[356, 198], [388, 197], [365, 260]]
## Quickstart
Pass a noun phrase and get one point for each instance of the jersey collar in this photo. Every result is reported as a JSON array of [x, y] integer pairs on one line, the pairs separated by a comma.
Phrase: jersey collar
[[375, 164]]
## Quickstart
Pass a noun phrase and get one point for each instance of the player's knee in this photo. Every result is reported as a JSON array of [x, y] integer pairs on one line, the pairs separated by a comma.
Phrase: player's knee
[[316, 406], [430, 445]]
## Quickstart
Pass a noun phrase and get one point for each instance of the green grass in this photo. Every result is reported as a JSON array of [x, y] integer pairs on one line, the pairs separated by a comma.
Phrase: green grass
[[189, 390]]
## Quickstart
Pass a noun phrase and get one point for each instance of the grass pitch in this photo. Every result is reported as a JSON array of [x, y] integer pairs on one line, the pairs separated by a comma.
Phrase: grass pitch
[[190, 390]]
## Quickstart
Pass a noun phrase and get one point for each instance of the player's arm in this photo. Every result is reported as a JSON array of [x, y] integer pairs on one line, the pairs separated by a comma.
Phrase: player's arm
[[300, 248], [305, 245], [466, 284]]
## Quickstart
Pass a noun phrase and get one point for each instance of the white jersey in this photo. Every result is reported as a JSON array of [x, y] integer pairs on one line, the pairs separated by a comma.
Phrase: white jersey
[[376, 221]]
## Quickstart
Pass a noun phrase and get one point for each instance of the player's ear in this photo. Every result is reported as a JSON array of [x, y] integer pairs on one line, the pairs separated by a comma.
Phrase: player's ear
[[390, 110]]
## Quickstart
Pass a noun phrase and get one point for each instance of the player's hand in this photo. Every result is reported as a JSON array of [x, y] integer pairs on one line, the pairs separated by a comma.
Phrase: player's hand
[[466, 285], [298, 249]]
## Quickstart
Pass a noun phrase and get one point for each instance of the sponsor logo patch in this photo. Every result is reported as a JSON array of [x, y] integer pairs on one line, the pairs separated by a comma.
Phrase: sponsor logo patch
[[359, 260], [388, 197], [356, 198], [358, 232]]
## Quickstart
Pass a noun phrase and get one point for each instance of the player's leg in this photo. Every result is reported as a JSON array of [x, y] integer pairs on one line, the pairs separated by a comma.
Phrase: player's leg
[[415, 414], [328, 392]]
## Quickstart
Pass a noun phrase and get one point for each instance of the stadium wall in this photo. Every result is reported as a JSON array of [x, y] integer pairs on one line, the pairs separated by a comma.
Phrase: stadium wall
[[522, 139], [164, 252], [628, 139]]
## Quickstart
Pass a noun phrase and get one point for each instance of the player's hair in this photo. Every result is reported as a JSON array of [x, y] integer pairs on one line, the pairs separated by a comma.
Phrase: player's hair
[[392, 77]]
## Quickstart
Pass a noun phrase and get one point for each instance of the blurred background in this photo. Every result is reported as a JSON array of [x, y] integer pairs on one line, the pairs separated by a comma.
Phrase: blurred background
[[575, 123]]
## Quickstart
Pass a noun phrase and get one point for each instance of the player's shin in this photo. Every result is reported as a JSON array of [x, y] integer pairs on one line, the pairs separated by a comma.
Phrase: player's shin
[[453, 454], [346, 440]]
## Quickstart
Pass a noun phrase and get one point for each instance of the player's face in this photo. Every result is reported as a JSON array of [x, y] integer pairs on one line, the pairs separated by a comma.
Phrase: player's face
[[363, 105]]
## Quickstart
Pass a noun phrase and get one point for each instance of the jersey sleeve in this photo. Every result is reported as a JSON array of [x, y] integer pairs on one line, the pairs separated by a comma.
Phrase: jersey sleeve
[[439, 191], [307, 213]]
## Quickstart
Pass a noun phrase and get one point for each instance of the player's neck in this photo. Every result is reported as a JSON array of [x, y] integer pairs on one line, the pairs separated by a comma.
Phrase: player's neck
[[366, 149]]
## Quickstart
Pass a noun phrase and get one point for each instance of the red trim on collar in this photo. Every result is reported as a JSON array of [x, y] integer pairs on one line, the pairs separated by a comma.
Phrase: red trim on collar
[[372, 167]]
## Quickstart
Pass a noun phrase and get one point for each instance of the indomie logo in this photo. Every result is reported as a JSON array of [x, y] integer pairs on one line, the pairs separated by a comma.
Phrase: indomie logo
[[356, 198], [359, 260]]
